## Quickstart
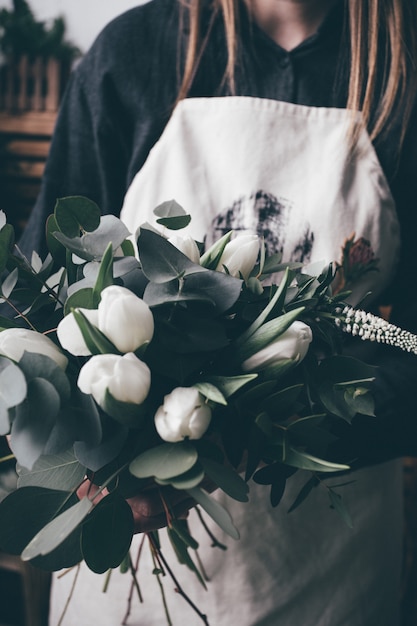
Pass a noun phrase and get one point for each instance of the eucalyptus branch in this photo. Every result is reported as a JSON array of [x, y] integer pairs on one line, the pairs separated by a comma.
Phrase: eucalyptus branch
[[8, 457], [178, 587], [70, 595], [161, 588], [16, 310], [35, 275]]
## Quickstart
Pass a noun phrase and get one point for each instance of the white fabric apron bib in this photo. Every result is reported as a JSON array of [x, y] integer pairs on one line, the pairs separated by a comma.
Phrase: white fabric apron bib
[[279, 169], [283, 170]]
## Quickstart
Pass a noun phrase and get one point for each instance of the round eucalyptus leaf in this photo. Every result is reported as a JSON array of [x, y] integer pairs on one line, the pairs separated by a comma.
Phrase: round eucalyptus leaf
[[188, 480], [34, 421], [4, 418], [66, 555], [76, 213], [61, 472], [95, 456], [24, 512], [165, 461], [13, 386], [40, 366], [107, 534], [92, 246], [57, 531]]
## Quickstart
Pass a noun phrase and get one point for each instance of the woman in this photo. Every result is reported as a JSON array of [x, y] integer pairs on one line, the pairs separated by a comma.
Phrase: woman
[[146, 114]]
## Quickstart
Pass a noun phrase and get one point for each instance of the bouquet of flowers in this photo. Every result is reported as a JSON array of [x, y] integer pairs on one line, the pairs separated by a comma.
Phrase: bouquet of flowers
[[151, 363]]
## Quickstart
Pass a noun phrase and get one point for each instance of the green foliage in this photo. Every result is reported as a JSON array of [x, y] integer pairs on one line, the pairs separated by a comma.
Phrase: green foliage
[[283, 419], [23, 34]]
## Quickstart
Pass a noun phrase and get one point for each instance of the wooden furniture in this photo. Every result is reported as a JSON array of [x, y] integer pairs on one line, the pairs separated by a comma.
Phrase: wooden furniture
[[30, 92], [35, 587]]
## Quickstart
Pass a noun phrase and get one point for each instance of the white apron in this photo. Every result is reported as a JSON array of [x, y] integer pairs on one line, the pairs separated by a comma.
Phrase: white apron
[[285, 171]]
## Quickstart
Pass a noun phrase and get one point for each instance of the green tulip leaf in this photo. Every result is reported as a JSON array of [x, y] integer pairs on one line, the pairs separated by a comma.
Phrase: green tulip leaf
[[267, 333], [211, 392], [212, 256], [95, 340], [276, 301], [229, 385], [83, 298], [105, 274], [165, 461], [76, 213]]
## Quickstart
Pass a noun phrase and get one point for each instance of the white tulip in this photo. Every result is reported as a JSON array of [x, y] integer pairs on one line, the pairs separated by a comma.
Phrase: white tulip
[[240, 255], [15, 341], [126, 377], [124, 318], [292, 344], [183, 414], [69, 334], [187, 246]]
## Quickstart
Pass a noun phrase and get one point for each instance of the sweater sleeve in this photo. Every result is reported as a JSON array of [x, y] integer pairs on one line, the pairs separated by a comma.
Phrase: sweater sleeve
[[113, 111], [87, 157]]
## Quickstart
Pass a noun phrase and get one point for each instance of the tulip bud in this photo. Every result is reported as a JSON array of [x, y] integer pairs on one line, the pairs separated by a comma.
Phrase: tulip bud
[[183, 414], [124, 318], [15, 341], [239, 256], [187, 246], [69, 333], [292, 345], [126, 377]]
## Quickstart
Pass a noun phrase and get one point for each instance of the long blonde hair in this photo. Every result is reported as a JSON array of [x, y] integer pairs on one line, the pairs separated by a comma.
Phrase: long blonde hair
[[383, 51]]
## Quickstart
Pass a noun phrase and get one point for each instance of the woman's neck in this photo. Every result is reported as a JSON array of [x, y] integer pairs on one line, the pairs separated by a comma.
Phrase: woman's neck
[[289, 22]]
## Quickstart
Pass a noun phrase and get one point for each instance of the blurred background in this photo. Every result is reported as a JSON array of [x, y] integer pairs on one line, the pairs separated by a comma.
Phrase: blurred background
[[40, 42], [84, 18]]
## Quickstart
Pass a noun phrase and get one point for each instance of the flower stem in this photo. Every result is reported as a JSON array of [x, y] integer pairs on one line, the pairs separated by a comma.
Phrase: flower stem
[[178, 588]]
